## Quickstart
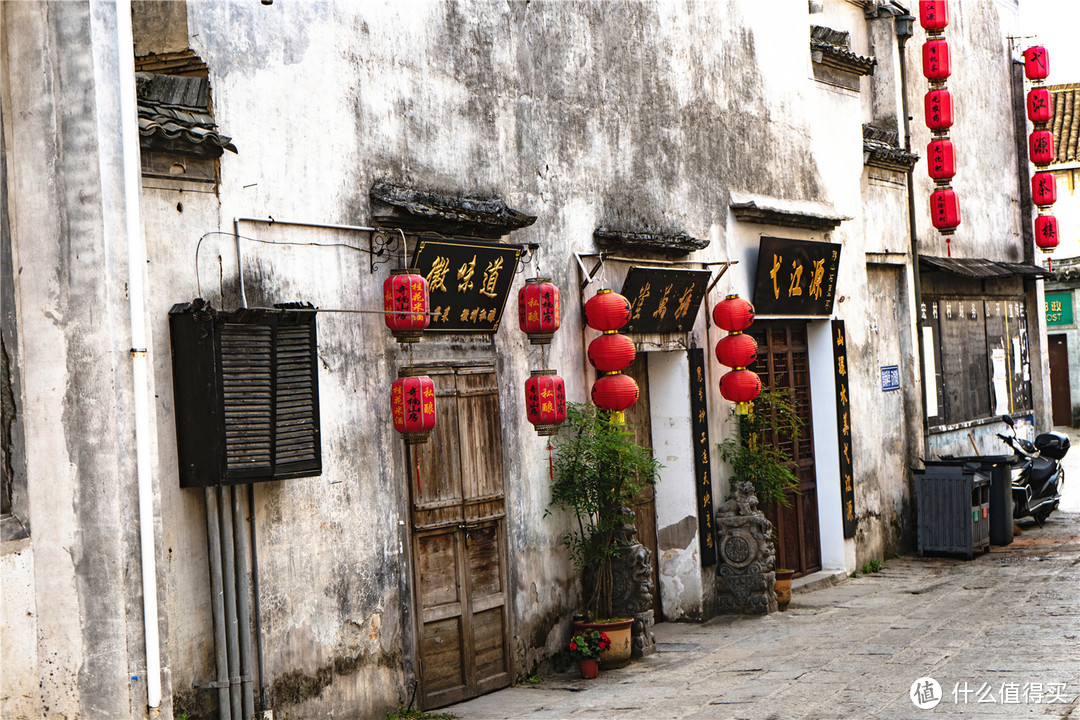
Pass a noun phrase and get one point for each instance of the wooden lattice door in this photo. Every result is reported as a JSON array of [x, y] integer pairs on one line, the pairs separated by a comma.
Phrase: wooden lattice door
[[459, 541], [784, 363]]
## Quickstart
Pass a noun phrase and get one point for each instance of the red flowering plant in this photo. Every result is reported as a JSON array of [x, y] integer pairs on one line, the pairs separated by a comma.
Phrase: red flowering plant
[[588, 644]]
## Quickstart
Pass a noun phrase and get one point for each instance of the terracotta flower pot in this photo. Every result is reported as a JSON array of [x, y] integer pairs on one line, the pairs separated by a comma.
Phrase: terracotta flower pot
[[783, 588], [619, 632], [589, 668]]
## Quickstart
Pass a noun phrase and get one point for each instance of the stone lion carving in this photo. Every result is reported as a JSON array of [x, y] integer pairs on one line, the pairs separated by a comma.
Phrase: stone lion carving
[[744, 575]]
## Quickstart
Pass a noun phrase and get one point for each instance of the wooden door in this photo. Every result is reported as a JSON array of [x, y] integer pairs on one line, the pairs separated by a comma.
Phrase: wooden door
[[1060, 396], [638, 420], [784, 362], [459, 541]]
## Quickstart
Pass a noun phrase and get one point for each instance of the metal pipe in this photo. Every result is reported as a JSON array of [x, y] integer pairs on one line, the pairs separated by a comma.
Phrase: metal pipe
[[243, 608], [239, 260], [255, 597], [217, 602], [136, 257], [228, 555]]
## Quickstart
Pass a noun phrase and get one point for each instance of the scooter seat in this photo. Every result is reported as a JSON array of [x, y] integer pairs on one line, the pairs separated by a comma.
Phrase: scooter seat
[[1042, 469]]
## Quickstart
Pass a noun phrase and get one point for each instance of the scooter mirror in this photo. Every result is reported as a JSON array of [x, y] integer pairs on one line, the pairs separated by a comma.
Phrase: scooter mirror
[[1007, 420]]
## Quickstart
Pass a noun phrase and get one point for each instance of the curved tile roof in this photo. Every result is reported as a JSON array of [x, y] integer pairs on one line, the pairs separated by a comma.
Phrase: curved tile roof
[[174, 115]]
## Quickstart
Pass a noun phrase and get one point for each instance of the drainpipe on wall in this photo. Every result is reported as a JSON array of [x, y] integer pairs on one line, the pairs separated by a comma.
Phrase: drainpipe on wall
[[136, 246]]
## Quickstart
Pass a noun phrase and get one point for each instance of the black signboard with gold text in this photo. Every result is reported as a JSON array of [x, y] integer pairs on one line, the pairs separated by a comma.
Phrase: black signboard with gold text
[[795, 277], [663, 300], [699, 430], [843, 426], [467, 282]]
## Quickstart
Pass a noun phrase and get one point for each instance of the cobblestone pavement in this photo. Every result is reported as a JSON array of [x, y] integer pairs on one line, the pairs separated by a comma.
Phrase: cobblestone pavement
[[1000, 634]]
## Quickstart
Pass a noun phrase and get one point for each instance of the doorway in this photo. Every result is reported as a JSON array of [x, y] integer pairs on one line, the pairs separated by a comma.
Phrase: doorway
[[638, 420], [459, 540], [1060, 396], [784, 363]]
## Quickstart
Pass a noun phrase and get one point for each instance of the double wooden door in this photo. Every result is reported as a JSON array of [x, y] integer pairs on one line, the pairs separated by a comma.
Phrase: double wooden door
[[784, 363], [459, 540]]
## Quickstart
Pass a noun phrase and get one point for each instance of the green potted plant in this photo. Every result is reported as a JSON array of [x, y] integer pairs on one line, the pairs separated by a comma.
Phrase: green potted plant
[[598, 470], [753, 456], [586, 646]]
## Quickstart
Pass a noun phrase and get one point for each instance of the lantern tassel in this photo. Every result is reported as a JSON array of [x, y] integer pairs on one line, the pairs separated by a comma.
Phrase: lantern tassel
[[417, 474], [551, 462], [948, 246]]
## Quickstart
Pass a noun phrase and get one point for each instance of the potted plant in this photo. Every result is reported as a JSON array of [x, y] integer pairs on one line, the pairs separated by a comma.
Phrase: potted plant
[[783, 588], [586, 647], [757, 460], [598, 470]]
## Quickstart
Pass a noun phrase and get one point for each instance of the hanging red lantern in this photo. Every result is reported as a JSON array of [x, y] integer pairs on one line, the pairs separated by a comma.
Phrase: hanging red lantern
[[941, 159], [1043, 189], [615, 392], [944, 210], [1036, 63], [607, 310], [733, 314], [737, 350], [936, 61], [1039, 107], [412, 401], [1041, 147], [939, 109], [934, 14], [611, 352], [740, 387], [539, 312], [545, 401], [1046, 233], [405, 305]]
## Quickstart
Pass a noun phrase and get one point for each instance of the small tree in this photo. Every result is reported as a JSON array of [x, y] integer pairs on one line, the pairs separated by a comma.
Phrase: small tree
[[598, 470], [754, 455]]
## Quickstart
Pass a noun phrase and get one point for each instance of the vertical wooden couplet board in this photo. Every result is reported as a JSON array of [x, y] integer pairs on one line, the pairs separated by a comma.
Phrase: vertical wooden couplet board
[[699, 430], [459, 540], [843, 426]]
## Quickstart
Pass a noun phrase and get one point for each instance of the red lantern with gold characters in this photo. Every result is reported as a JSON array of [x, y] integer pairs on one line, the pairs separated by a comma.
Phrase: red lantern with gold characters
[[1041, 147], [934, 15], [405, 305], [607, 310], [737, 350], [412, 402], [1039, 107], [1043, 189], [611, 352], [944, 210], [733, 314], [539, 312], [1036, 63], [939, 109], [1046, 233], [615, 392], [740, 387], [936, 62], [545, 401]]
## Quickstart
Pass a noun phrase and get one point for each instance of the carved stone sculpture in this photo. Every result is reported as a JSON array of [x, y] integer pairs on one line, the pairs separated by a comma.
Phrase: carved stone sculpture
[[632, 586], [744, 574]]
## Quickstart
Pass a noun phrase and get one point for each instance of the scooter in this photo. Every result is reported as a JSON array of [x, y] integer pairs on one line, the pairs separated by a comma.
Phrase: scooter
[[1037, 474]]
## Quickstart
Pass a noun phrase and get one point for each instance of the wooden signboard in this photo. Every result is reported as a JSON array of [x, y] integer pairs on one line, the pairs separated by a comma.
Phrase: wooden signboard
[[663, 300], [468, 283], [795, 277], [699, 430], [843, 426]]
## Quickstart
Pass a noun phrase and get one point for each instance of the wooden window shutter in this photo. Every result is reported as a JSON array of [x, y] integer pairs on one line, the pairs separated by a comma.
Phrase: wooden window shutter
[[246, 387]]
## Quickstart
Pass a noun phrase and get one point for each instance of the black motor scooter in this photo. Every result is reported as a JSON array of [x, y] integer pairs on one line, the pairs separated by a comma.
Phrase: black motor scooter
[[1037, 474]]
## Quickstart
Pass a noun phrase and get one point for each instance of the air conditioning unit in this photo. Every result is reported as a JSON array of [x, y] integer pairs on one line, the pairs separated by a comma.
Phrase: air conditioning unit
[[246, 388]]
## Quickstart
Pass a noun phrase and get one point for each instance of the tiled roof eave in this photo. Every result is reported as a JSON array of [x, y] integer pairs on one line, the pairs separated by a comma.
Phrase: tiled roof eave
[[841, 58]]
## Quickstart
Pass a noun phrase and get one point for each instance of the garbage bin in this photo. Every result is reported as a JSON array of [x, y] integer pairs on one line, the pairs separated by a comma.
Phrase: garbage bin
[[999, 468], [953, 505]]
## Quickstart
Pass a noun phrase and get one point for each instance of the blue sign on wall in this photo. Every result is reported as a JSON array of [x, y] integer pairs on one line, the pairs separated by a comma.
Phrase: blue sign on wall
[[890, 378]]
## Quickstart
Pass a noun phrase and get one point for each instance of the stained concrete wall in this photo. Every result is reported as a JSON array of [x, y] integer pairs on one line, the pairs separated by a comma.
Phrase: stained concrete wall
[[635, 116]]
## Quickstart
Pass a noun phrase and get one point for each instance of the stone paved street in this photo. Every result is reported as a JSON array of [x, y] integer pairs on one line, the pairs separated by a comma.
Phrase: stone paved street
[[1003, 627]]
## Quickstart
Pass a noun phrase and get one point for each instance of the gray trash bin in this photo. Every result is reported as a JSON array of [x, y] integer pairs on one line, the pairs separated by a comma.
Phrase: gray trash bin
[[953, 505], [999, 468]]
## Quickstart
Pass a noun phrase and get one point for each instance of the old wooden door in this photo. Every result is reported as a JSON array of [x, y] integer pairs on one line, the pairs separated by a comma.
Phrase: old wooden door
[[784, 362], [1060, 396], [638, 420], [459, 541]]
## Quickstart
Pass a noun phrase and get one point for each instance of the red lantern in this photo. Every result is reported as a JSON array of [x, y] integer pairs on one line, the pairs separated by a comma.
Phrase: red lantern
[[934, 14], [737, 350], [740, 387], [1036, 63], [941, 159], [944, 210], [1043, 189], [936, 62], [405, 305], [1041, 147], [733, 314], [1046, 233], [939, 109], [1039, 107], [539, 313], [611, 352], [615, 392], [545, 401], [412, 400], [607, 310]]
